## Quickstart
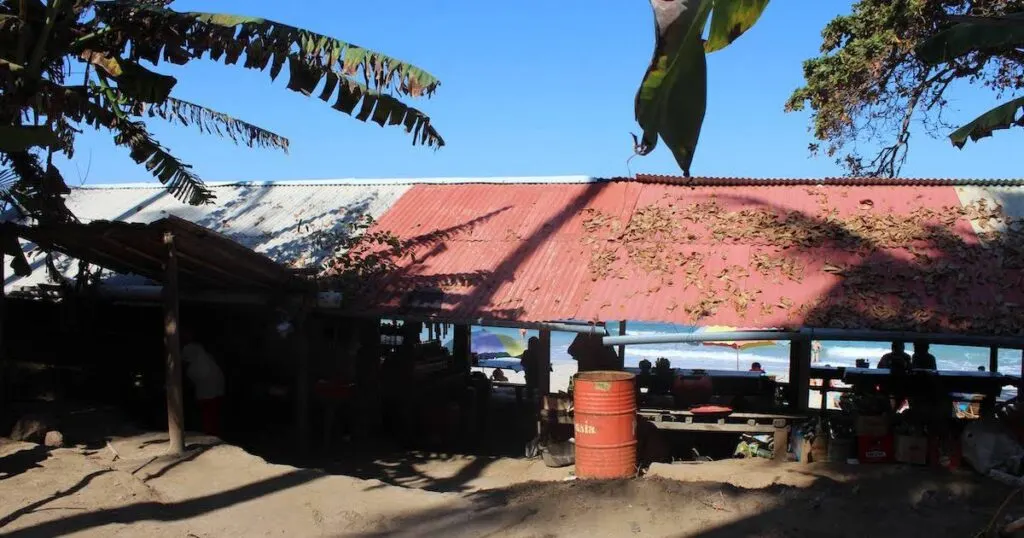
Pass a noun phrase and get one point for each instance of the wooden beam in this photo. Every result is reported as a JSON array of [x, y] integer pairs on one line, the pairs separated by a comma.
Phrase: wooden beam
[[993, 359], [172, 344]]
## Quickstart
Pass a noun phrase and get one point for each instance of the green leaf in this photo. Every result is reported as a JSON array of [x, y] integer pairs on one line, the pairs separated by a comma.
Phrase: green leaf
[[101, 107], [1003, 116], [132, 79], [973, 34], [685, 106], [22, 137], [731, 18], [210, 121], [312, 58], [672, 98]]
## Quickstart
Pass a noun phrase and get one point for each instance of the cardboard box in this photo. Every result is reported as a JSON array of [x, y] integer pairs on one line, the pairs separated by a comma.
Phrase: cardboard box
[[872, 425], [912, 449], [875, 449]]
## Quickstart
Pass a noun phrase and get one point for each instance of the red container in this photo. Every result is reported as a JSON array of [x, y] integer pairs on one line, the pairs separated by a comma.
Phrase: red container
[[875, 448], [605, 424]]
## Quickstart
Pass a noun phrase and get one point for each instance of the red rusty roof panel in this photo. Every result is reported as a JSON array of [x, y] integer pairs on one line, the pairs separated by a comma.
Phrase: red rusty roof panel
[[826, 255]]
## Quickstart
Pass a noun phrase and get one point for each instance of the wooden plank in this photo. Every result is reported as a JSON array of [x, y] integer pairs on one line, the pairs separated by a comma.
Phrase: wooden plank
[[172, 344]]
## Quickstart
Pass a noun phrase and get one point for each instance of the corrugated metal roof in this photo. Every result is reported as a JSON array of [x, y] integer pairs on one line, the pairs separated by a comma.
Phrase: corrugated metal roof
[[831, 181], [832, 255], [204, 259], [276, 219]]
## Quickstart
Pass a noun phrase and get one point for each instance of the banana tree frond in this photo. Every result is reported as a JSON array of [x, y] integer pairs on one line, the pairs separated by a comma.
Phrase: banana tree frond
[[22, 137], [313, 59], [38, 192], [177, 176], [731, 18], [264, 42], [1004, 116], [972, 34], [132, 79], [101, 107], [213, 122], [382, 109]]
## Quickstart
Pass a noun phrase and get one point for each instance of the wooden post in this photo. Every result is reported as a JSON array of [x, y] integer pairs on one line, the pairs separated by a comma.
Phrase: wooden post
[[300, 346], [461, 347], [172, 344], [622, 349], [993, 359], [780, 440], [3, 318], [799, 373], [544, 364]]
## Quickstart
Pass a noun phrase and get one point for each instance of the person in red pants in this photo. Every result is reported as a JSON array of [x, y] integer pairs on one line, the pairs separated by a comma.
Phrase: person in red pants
[[208, 380]]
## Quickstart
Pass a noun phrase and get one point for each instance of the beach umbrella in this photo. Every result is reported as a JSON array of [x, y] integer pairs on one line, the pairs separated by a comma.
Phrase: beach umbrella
[[737, 345], [488, 345]]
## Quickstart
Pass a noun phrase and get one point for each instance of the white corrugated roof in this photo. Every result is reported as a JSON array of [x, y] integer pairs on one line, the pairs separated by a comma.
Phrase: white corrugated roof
[[276, 219]]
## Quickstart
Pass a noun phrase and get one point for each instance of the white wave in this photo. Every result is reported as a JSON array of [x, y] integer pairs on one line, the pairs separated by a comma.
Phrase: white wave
[[853, 352]]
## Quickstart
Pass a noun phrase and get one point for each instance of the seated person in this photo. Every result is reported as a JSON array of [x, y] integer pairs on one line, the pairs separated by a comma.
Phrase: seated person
[[897, 359], [756, 367], [922, 359], [499, 376]]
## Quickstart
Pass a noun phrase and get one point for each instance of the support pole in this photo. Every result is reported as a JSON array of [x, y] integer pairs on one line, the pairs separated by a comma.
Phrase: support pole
[[799, 373], [461, 347], [622, 348], [993, 359], [3, 319], [544, 364], [172, 344], [300, 345]]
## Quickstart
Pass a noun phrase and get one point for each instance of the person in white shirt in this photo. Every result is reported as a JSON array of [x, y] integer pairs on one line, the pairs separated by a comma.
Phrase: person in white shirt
[[208, 380]]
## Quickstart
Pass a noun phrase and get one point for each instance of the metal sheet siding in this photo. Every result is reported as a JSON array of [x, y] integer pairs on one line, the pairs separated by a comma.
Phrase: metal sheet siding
[[275, 219], [528, 245]]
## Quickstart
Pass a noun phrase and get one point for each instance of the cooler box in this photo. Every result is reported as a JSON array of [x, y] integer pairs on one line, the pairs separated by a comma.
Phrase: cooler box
[[875, 448]]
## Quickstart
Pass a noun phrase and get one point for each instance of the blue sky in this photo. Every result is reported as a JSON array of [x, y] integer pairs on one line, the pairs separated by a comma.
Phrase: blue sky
[[529, 87]]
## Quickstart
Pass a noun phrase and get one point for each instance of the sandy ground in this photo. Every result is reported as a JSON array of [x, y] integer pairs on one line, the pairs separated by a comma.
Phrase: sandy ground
[[218, 490]]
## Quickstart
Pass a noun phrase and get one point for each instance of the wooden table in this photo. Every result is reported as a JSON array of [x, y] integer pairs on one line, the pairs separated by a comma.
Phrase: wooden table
[[777, 425]]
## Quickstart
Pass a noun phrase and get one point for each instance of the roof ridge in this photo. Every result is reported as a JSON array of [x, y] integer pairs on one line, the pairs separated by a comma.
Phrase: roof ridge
[[361, 182], [700, 181], [845, 181]]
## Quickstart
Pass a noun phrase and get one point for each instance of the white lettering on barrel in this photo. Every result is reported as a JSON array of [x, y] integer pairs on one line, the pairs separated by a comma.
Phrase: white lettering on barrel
[[585, 428]]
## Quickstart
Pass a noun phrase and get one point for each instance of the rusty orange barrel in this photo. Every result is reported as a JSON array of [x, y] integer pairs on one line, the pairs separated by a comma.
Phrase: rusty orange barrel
[[605, 424]]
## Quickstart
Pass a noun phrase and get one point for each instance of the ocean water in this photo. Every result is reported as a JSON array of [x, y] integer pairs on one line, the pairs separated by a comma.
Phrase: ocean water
[[775, 358]]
